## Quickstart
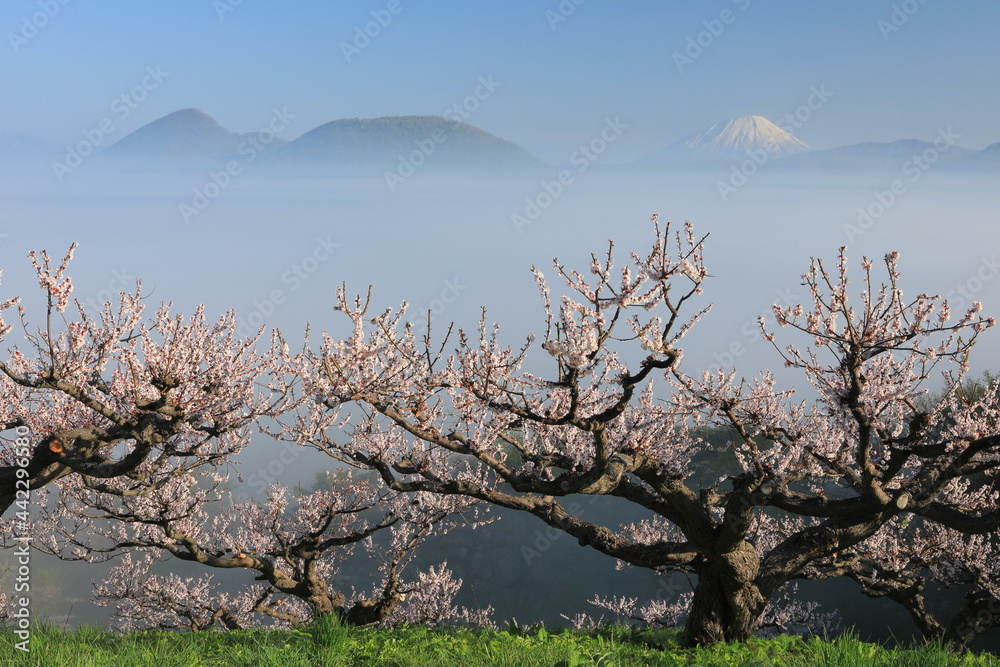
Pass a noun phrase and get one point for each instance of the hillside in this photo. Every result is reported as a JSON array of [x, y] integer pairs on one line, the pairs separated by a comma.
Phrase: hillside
[[381, 141], [187, 134]]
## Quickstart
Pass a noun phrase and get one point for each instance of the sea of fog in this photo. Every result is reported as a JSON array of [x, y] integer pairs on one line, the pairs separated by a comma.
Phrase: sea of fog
[[274, 247]]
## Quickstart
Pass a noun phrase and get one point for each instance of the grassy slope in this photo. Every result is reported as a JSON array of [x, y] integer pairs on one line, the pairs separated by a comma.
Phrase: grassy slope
[[418, 646]]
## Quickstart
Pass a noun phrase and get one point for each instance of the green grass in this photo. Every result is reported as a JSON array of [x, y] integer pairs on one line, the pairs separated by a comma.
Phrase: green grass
[[329, 645]]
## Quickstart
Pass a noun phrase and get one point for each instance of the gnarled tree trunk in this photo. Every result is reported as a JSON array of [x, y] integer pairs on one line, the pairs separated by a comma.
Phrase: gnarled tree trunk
[[981, 613], [727, 602]]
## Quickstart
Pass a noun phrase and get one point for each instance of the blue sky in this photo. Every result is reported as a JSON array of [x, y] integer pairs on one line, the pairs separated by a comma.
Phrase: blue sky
[[894, 68]]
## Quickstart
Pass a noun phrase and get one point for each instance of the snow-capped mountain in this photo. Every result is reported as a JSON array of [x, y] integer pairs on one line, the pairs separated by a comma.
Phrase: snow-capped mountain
[[733, 139]]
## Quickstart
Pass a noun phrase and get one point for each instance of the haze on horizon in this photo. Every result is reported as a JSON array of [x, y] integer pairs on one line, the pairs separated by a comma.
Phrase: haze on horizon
[[895, 69], [274, 246]]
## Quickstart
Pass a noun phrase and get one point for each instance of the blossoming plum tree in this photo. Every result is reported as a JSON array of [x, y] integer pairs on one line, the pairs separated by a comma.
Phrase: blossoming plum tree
[[291, 545], [122, 396], [131, 422], [131, 418], [907, 553], [618, 416], [904, 556]]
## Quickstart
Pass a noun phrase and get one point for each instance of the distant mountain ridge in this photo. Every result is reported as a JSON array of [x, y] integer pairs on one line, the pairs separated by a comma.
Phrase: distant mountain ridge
[[730, 144], [189, 137], [184, 134], [190, 134], [986, 159], [385, 139], [876, 156]]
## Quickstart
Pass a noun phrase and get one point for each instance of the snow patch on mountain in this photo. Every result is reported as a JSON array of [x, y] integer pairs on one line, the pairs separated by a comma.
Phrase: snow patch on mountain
[[734, 139], [737, 136]]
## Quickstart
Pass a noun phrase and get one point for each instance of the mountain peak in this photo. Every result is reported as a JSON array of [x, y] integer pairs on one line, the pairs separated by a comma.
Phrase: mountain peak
[[185, 133], [734, 137], [730, 140], [386, 140], [189, 115]]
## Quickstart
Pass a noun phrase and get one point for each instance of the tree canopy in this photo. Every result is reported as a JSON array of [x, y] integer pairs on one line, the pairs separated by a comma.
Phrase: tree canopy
[[868, 476]]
